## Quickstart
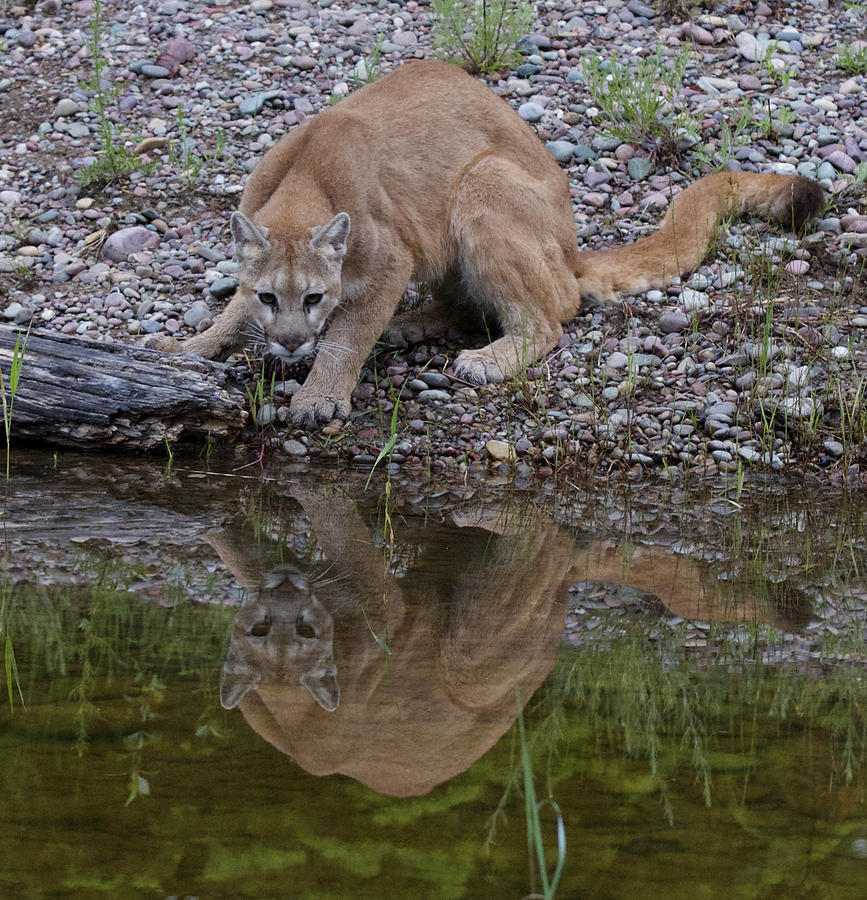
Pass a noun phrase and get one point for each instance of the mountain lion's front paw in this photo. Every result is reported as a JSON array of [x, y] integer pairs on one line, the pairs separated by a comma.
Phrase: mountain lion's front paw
[[163, 343], [310, 407], [477, 367]]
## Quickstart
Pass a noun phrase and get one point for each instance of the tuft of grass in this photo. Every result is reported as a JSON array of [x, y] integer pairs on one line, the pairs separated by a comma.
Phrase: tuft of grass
[[734, 131], [853, 420], [113, 159], [388, 446], [639, 102], [257, 396], [368, 70], [184, 153], [851, 59], [480, 35], [775, 120], [8, 403]]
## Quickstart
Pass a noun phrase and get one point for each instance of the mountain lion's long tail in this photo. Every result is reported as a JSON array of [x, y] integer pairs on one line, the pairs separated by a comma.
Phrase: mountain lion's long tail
[[690, 223]]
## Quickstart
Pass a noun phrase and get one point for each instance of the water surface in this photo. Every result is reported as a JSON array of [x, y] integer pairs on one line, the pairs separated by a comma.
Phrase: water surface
[[218, 685]]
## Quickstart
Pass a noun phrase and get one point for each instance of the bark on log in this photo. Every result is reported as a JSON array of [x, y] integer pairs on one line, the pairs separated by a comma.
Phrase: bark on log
[[94, 396]]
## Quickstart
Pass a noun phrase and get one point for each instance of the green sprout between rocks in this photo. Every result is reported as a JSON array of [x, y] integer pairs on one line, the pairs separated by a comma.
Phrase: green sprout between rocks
[[639, 102], [851, 59], [480, 35], [113, 159]]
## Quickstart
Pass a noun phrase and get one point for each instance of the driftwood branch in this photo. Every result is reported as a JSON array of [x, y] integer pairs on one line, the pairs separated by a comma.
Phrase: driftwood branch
[[79, 393]]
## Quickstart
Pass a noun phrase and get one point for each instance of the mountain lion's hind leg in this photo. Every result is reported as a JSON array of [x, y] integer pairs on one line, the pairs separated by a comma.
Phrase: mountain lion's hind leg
[[447, 308], [513, 244]]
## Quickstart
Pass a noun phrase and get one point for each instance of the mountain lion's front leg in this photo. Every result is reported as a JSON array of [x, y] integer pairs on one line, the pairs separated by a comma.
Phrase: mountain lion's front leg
[[222, 339], [351, 334]]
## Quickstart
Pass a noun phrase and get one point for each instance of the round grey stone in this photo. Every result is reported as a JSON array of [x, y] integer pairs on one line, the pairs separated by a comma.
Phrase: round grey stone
[[66, 107], [295, 448], [266, 414], [531, 112], [639, 167], [692, 300], [224, 287], [562, 151], [196, 313], [150, 70], [435, 379], [431, 395]]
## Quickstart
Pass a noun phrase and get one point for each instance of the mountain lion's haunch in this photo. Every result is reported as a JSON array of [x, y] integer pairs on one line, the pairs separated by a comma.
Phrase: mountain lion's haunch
[[427, 174]]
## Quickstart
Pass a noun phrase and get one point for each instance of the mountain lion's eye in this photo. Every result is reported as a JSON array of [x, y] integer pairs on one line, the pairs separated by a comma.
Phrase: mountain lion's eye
[[312, 299], [260, 629], [303, 629], [267, 298]]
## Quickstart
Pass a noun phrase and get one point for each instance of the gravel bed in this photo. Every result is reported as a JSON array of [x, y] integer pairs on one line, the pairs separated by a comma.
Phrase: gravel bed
[[756, 360]]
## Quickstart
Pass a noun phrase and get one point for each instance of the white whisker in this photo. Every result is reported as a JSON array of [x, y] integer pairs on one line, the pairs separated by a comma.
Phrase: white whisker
[[334, 347]]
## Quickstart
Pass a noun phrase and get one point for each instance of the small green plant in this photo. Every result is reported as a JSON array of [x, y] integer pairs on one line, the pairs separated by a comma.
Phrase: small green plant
[[733, 132], [480, 35], [256, 396], [853, 421], [113, 159], [366, 71], [388, 446], [775, 120], [639, 103], [851, 59], [184, 154], [8, 402]]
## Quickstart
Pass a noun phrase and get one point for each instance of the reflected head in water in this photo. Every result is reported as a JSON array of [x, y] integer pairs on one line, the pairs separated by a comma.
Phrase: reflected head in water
[[289, 635]]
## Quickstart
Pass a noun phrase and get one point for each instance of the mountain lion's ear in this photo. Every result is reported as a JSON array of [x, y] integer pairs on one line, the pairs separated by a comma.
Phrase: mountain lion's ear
[[234, 686], [248, 236], [323, 686], [332, 237]]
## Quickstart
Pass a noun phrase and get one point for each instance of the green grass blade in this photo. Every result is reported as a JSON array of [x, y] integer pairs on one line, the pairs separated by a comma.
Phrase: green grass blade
[[11, 668], [561, 843]]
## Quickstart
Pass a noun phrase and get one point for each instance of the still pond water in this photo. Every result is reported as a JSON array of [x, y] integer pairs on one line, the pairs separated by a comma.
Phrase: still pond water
[[235, 685]]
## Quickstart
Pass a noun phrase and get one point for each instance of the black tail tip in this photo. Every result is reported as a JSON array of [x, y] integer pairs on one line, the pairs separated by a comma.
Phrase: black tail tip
[[804, 200]]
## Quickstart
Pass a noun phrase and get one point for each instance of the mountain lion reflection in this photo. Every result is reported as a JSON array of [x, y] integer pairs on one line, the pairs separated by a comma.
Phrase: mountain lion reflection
[[477, 612], [402, 675]]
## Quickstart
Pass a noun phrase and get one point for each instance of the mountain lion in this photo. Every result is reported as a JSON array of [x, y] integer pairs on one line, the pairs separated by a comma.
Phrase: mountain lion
[[427, 174]]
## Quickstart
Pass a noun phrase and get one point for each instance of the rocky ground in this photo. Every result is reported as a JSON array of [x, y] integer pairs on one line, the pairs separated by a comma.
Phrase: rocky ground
[[756, 361]]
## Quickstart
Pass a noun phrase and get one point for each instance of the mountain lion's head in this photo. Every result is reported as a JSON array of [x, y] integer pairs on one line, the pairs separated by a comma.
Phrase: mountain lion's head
[[283, 635], [291, 282]]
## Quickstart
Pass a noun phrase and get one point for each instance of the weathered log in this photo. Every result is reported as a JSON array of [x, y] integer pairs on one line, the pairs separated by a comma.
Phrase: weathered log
[[80, 393]]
